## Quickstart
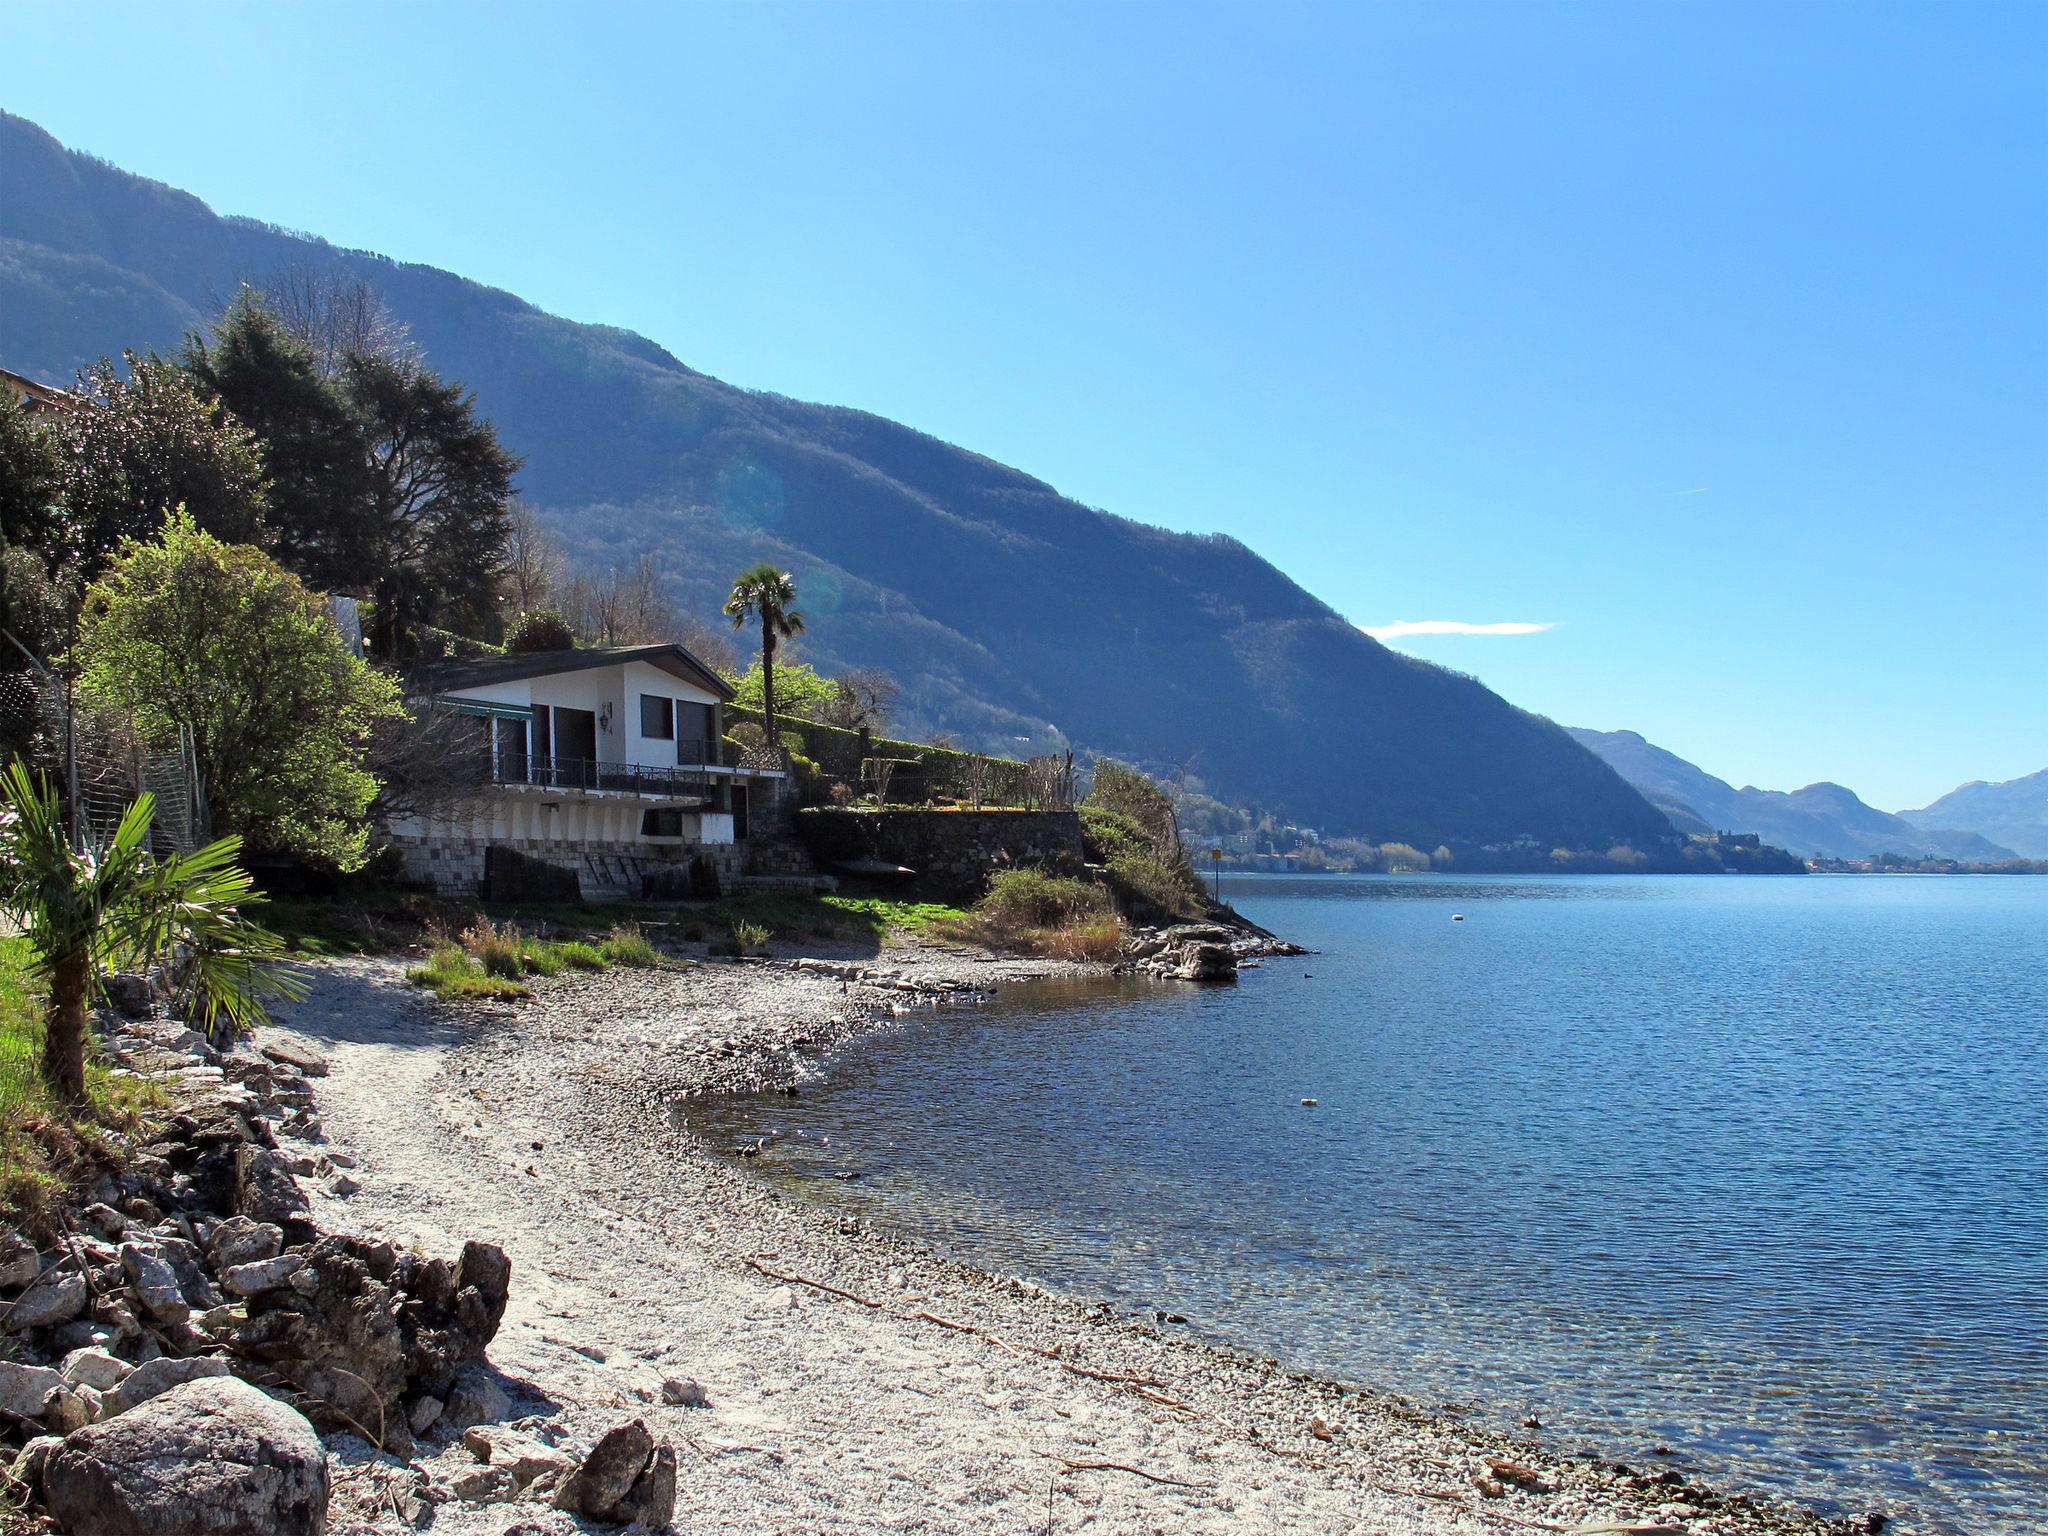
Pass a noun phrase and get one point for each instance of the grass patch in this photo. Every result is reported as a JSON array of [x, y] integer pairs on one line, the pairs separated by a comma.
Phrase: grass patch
[[491, 960], [627, 945], [452, 972], [45, 1148], [578, 956]]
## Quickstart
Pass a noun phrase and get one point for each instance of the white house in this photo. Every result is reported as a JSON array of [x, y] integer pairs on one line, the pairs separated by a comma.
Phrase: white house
[[606, 761]]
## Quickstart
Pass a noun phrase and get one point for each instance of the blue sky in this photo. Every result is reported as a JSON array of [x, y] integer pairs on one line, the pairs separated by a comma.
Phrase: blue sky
[[1714, 338]]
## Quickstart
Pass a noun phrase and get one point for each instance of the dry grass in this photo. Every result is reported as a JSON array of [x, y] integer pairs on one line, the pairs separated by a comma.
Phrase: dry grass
[[1050, 916]]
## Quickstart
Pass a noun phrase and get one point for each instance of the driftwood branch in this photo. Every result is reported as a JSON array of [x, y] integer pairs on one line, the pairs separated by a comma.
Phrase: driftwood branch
[[1116, 1466]]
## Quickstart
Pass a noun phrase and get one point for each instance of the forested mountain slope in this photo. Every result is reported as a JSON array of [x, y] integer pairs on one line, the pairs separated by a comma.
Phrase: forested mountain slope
[[1014, 617]]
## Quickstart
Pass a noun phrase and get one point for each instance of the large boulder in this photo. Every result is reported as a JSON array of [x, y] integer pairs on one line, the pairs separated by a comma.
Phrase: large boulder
[[361, 1325], [210, 1458], [1204, 960]]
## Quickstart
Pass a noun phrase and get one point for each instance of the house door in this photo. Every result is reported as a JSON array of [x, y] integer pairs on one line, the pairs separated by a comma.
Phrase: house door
[[513, 754], [575, 745], [739, 812]]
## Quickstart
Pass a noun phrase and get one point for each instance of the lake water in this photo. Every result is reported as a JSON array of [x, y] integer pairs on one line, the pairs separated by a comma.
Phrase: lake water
[[1753, 1168]]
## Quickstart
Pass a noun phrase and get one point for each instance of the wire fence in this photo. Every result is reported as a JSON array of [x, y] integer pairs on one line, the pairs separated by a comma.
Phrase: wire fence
[[102, 762]]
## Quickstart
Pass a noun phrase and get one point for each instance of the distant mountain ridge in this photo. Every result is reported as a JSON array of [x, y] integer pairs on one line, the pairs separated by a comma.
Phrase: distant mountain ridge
[[2013, 812], [1015, 618], [1822, 818]]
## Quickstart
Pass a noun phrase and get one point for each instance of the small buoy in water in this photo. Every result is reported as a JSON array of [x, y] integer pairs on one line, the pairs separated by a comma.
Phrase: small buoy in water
[[1457, 917], [1308, 1103]]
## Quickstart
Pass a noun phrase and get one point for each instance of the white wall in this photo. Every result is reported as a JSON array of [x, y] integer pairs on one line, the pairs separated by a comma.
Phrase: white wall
[[619, 685], [641, 678]]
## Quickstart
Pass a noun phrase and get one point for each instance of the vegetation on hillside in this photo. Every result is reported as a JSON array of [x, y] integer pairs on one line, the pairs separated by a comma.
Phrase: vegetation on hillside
[[1130, 827], [1004, 606]]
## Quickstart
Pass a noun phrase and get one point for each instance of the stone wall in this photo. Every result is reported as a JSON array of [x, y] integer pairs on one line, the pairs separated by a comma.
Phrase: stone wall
[[953, 852], [608, 871]]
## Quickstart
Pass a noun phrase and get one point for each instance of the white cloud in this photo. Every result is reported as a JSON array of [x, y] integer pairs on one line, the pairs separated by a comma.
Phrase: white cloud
[[1401, 628]]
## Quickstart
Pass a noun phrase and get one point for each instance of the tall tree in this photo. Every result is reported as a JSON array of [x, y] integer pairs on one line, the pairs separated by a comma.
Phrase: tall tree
[[220, 638], [762, 592], [87, 909], [439, 484], [315, 450], [385, 475], [149, 442]]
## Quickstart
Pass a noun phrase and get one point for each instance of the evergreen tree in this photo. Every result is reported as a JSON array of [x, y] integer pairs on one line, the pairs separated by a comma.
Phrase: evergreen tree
[[314, 448], [439, 487]]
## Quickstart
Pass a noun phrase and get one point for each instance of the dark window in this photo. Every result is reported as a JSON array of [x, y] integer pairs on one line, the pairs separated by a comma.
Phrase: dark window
[[657, 717], [694, 736], [661, 823]]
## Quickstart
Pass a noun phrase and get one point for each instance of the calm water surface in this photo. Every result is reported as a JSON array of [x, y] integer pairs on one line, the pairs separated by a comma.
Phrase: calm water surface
[[1754, 1168]]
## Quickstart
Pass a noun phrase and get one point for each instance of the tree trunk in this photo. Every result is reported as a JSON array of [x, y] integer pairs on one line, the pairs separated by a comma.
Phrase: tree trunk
[[64, 1029], [768, 683]]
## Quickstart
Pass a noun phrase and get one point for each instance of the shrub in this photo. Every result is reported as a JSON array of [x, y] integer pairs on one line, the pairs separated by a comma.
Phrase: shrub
[[544, 629], [748, 938], [1030, 898], [452, 971], [1147, 885]]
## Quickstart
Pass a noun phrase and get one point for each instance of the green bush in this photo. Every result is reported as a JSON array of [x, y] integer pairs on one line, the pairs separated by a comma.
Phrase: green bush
[[541, 630], [580, 957], [452, 972]]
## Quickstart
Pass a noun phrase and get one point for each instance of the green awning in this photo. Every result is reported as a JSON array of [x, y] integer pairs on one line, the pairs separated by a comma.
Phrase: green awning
[[484, 708]]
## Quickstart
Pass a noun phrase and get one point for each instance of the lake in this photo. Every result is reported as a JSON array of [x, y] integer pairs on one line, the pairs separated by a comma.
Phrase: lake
[[1755, 1169]]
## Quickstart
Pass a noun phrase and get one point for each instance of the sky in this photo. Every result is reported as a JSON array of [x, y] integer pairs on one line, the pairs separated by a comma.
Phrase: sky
[[1674, 367]]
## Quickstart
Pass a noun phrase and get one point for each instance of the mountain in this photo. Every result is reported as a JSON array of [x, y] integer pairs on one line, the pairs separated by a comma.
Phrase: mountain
[[1821, 818], [2014, 812], [1014, 617]]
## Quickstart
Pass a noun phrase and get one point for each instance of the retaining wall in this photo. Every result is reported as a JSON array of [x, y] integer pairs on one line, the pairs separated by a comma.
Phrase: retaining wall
[[952, 851]]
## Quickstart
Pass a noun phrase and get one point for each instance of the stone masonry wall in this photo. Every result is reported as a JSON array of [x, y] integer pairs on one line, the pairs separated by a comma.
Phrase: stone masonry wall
[[606, 870], [952, 851]]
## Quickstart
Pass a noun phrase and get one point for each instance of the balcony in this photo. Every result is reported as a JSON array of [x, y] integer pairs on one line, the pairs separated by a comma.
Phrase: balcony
[[687, 781]]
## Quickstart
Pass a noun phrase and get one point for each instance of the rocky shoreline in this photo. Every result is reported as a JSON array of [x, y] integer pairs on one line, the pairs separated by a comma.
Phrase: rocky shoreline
[[773, 1366]]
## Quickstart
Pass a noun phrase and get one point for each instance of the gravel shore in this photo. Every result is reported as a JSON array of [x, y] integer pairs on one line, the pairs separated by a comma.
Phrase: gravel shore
[[855, 1383]]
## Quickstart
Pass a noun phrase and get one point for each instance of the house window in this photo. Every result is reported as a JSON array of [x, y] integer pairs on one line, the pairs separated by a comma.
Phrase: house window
[[661, 823], [657, 718]]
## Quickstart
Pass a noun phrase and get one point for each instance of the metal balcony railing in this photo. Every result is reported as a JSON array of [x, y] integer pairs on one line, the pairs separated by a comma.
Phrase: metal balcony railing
[[587, 773]]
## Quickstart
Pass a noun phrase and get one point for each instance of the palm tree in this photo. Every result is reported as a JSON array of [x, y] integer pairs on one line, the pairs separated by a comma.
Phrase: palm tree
[[764, 592], [87, 909]]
